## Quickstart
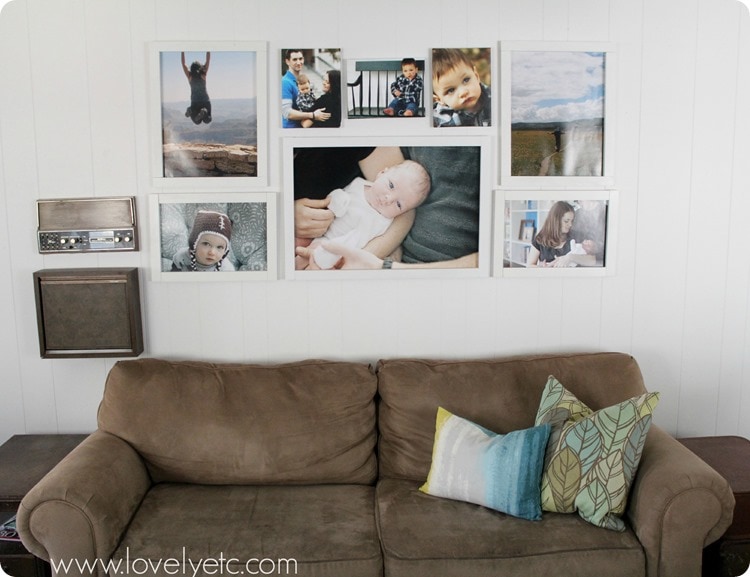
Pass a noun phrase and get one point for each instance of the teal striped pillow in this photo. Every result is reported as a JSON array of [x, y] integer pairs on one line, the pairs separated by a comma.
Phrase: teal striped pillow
[[473, 464]]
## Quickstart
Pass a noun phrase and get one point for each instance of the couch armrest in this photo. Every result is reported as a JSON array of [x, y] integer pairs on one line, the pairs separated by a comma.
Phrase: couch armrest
[[678, 505], [80, 509]]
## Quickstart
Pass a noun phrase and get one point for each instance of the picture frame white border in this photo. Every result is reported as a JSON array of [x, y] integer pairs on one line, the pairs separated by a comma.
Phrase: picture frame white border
[[501, 231], [607, 178], [485, 207], [197, 184], [268, 198]]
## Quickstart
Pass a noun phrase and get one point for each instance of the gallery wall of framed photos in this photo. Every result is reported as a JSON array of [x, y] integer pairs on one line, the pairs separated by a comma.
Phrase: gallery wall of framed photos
[[482, 124], [86, 122]]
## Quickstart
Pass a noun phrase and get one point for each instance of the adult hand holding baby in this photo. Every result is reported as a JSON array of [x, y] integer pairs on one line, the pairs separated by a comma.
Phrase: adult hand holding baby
[[311, 217]]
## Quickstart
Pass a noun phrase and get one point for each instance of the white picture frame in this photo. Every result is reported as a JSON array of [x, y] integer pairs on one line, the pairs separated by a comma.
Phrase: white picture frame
[[232, 148], [253, 239], [475, 151], [596, 215], [557, 123]]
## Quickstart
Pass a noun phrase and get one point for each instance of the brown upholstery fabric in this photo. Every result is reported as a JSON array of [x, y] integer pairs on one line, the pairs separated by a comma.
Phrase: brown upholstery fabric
[[730, 457], [502, 395], [428, 536], [678, 504], [81, 507], [277, 461], [325, 529], [307, 422]]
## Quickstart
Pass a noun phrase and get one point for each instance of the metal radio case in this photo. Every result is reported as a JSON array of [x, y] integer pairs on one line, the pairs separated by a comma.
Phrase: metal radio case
[[93, 224]]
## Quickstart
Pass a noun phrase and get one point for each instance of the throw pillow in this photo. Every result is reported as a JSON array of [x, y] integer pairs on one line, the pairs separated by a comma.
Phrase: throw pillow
[[592, 457], [473, 464]]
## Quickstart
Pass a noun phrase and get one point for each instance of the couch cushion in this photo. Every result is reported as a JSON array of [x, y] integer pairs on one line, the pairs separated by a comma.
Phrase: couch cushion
[[501, 395], [423, 535], [306, 422], [473, 464], [318, 530], [592, 457]]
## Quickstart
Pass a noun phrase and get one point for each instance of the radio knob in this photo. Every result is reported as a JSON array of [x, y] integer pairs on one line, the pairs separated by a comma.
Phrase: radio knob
[[117, 239], [63, 241], [73, 241], [126, 239]]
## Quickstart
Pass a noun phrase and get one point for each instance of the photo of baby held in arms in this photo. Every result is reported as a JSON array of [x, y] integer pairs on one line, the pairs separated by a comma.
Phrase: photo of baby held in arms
[[397, 207], [571, 234]]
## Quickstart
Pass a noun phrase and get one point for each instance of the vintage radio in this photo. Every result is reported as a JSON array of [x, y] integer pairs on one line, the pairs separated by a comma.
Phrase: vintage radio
[[87, 225]]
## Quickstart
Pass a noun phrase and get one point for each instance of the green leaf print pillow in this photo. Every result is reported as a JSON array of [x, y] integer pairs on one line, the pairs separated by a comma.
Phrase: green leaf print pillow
[[591, 457]]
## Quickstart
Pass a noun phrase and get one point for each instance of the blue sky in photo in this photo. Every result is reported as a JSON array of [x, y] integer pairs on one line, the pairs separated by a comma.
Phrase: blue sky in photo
[[231, 74], [557, 86], [594, 93]]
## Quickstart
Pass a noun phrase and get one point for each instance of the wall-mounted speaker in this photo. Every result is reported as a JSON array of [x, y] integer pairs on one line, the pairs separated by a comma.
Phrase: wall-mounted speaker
[[88, 312]]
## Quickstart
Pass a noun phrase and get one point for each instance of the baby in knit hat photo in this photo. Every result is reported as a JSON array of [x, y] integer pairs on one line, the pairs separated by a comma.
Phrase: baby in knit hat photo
[[208, 244]]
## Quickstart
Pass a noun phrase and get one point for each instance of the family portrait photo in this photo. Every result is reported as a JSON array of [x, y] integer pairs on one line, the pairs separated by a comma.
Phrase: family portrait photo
[[311, 88]]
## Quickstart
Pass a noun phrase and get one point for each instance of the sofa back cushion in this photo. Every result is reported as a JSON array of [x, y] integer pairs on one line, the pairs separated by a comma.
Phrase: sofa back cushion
[[196, 422], [500, 394]]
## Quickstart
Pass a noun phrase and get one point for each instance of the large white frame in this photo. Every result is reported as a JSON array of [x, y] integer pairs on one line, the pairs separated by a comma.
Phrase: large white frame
[[210, 200], [215, 89], [485, 199], [507, 50], [505, 232]]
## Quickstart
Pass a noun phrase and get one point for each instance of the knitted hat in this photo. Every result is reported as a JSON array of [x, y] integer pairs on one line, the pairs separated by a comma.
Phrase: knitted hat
[[210, 222]]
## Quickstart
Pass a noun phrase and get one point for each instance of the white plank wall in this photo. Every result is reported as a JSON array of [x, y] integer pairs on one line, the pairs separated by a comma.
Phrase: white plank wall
[[74, 121]]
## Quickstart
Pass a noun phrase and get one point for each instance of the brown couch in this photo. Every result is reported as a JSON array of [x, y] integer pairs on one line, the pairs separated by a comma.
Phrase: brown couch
[[313, 468]]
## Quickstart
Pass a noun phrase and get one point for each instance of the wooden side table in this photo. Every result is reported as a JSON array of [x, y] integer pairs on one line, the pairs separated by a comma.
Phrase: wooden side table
[[24, 460], [730, 456]]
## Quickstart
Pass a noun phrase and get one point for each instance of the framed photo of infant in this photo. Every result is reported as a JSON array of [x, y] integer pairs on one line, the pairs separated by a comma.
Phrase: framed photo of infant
[[215, 237], [208, 115], [557, 129], [554, 233], [387, 207]]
